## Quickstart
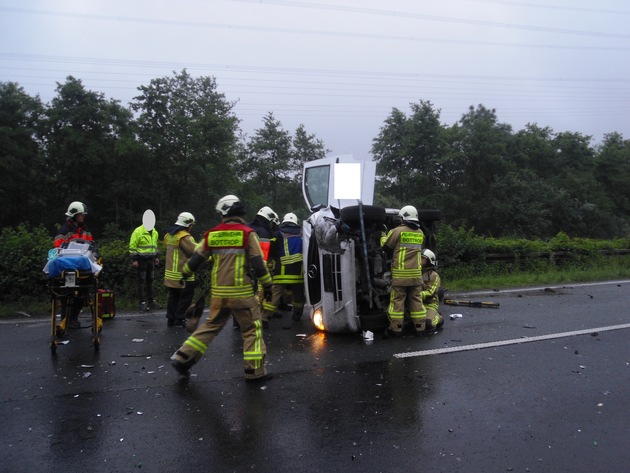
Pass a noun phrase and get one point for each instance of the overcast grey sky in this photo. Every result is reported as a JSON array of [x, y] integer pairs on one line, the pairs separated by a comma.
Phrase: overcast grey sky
[[340, 66]]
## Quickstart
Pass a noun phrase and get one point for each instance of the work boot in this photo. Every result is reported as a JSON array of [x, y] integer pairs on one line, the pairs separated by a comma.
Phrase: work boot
[[389, 333], [181, 368], [180, 322]]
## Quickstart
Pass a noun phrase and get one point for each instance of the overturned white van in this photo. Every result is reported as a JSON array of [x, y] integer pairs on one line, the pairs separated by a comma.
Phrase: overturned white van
[[346, 272]]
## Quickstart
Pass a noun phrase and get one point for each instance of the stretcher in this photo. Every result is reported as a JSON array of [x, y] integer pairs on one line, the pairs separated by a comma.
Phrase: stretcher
[[72, 283]]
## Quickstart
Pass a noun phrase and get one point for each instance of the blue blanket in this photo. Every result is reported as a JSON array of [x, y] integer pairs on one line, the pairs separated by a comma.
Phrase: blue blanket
[[68, 263]]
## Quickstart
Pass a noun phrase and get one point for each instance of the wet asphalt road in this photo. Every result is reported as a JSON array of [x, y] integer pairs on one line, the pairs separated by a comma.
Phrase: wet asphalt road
[[556, 404]]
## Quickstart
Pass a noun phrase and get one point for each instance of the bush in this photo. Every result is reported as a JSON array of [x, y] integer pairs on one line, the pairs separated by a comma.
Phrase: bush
[[23, 255]]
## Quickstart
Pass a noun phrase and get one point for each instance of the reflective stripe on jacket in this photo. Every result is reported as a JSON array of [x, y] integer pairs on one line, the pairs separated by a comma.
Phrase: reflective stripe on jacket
[[430, 285], [69, 231], [179, 248], [287, 250], [143, 244], [234, 250], [406, 243]]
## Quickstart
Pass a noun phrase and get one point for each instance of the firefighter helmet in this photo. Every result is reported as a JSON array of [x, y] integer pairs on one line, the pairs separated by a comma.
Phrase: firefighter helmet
[[290, 218], [428, 254], [185, 219], [76, 208], [269, 214], [225, 204], [408, 212]]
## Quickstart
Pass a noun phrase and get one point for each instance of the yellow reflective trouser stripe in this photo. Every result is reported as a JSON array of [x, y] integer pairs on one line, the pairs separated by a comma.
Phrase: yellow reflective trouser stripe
[[196, 344], [256, 354], [269, 306], [418, 315], [393, 314]]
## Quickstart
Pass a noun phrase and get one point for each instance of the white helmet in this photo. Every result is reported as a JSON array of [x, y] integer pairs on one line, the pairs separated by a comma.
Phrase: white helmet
[[408, 212], [269, 214], [76, 208], [290, 217], [185, 219], [428, 254], [225, 204]]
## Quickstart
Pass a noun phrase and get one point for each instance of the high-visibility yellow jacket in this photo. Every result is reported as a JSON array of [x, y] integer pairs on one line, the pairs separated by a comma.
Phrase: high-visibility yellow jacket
[[143, 244], [233, 250], [430, 286], [406, 245], [179, 248]]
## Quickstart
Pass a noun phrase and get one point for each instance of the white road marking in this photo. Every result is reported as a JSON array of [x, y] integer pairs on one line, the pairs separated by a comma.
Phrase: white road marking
[[514, 341]]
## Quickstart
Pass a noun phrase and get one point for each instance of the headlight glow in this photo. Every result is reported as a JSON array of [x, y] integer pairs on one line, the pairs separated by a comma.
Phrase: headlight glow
[[318, 318]]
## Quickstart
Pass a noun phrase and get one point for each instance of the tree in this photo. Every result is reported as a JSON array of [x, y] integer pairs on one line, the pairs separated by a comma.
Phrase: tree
[[83, 131], [22, 198], [267, 163], [408, 154], [190, 130], [612, 173]]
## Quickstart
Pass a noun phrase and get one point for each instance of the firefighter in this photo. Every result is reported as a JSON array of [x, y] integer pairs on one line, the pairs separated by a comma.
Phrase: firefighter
[[74, 226], [286, 249], [265, 225], [180, 245], [430, 290], [404, 244], [143, 249], [72, 229], [234, 253]]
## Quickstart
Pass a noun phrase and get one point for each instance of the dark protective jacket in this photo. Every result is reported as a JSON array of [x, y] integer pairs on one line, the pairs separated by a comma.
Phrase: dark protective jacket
[[71, 230], [262, 227], [286, 250]]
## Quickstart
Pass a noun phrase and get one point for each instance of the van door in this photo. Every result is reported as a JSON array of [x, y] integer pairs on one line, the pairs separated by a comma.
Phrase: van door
[[330, 180]]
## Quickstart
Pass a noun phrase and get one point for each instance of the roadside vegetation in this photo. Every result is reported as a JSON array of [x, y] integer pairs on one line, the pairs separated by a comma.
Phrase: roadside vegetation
[[466, 263]]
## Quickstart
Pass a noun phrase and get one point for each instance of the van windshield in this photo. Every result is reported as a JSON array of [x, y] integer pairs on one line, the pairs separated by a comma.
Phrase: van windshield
[[316, 181]]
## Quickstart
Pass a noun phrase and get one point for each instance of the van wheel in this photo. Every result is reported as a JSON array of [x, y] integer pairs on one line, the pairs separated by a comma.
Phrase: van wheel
[[372, 214]]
